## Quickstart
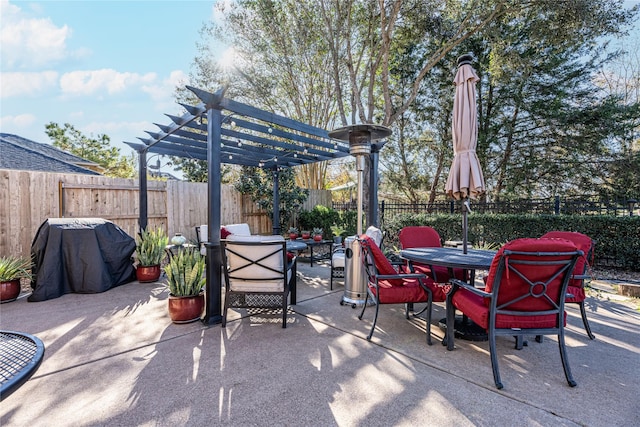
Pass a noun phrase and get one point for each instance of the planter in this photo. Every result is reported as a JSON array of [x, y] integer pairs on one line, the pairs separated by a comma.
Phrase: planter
[[178, 240], [317, 237], [185, 309], [293, 236], [148, 273], [306, 235], [9, 290]]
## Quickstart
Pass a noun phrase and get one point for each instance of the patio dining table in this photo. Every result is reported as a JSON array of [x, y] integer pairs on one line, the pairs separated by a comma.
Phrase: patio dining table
[[455, 258]]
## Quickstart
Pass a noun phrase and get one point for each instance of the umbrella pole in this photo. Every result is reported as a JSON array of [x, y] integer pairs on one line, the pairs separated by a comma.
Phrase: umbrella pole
[[465, 224]]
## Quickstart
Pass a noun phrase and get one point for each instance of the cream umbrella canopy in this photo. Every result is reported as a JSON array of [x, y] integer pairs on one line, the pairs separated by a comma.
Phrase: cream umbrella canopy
[[465, 176]]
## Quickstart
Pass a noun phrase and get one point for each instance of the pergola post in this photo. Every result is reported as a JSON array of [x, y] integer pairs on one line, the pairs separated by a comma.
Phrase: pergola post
[[213, 288], [276, 201], [143, 218]]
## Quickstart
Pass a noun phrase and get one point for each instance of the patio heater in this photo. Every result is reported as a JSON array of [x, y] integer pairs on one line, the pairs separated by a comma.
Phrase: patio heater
[[359, 137]]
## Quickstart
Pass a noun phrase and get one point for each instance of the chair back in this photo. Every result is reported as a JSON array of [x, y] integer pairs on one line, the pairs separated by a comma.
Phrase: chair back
[[255, 263], [582, 242], [419, 236], [529, 277], [375, 262]]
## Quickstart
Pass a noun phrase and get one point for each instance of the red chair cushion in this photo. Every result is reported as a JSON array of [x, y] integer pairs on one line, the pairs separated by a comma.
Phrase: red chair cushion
[[419, 236], [585, 244], [513, 289], [439, 292], [408, 291], [474, 306], [383, 265], [224, 233]]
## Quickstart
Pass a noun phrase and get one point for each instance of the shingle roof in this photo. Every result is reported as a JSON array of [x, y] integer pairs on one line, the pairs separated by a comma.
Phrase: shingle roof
[[24, 154]]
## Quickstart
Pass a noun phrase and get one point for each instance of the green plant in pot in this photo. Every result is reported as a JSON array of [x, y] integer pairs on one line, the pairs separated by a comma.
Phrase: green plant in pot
[[150, 251], [338, 233], [185, 279], [12, 269], [317, 234]]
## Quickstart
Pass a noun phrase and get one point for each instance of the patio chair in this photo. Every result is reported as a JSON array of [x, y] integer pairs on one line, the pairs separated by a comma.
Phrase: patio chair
[[525, 291], [258, 273], [575, 290], [425, 237], [385, 285]]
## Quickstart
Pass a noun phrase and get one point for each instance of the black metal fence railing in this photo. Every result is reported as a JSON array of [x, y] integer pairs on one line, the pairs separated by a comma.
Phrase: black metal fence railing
[[555, 205]]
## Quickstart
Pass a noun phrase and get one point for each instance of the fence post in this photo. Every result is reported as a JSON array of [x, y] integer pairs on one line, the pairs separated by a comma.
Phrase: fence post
[[382, 212], [451, 206], [556, 206]]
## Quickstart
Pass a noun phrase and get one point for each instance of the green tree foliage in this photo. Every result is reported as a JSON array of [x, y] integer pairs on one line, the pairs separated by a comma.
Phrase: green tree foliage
[[543, 127], [97, 150], [258, 183]]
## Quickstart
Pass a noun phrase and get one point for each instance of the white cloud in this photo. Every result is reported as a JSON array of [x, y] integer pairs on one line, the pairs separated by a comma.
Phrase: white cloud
[[163, 93], [80, 83], [27, 84], [20, 121], [30, 42]]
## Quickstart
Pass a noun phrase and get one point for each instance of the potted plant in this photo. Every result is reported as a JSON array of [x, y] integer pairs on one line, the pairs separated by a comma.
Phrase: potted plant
[[12, 269], [338, 232], [185, 279], [317, 234], [150, 251], [306, 234], [293, 233]]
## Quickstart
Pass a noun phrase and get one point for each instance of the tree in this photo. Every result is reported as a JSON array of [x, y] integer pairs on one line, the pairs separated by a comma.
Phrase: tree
[[258, 183], [97, 150], [332, 63]]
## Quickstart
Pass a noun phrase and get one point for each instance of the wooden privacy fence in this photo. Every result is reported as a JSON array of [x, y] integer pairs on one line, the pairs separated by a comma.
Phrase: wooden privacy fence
[[28, 198]]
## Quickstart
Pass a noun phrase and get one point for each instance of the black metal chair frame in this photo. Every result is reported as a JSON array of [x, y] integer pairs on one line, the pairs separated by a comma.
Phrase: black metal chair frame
[[373, 278], [565, 269], [258, 299]]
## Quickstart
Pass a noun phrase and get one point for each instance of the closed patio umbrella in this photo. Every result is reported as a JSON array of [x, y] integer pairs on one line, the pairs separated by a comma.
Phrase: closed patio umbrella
[[465, 176]]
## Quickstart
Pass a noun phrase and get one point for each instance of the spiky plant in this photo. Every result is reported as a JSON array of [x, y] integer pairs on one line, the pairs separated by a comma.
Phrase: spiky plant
[[185, 273], [13, 267], [150, 247]]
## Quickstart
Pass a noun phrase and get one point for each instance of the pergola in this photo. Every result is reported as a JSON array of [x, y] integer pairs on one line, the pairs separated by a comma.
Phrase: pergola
[[220, 130]]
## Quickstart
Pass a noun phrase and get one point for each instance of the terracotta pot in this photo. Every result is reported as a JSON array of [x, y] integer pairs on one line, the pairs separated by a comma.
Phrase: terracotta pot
[[9, 290], [185, 309], [148, 273], [293, 236], [317, 237], [306, 235]]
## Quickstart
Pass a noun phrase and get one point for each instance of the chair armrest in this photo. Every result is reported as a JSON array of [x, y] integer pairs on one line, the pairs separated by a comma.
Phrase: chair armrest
[[402, 276], [457, 283]]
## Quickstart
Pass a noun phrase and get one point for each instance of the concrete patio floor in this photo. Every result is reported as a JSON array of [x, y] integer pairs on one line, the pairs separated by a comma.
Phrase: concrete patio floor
[[115, 359]]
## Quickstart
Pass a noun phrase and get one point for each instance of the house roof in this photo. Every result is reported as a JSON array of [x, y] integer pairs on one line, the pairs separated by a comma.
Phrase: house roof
[[25, 154]]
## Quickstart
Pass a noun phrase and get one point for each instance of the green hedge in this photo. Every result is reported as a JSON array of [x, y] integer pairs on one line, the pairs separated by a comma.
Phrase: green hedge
[[617, 238]]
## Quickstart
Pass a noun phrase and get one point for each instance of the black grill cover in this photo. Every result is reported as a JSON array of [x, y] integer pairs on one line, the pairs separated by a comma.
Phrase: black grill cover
[[80, 255]]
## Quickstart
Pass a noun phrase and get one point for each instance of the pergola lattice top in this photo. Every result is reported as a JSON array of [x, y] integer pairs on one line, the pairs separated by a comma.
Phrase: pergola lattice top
[[248, 136]]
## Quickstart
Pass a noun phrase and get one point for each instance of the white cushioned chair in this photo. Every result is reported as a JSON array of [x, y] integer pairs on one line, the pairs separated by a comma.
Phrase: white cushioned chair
[[258, 273]]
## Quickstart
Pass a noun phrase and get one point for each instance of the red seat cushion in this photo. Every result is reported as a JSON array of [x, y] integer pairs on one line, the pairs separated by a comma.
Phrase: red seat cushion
[[513, 286], [585, 244], [438, 291], [408, 291], [383, 265], [475, 307]]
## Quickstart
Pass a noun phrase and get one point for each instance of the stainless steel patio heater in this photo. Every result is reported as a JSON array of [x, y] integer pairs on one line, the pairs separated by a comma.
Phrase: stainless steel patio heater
[[359, 137]]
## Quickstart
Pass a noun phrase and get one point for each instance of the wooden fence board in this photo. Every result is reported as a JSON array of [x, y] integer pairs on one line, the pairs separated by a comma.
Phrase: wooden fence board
[[28, 198]]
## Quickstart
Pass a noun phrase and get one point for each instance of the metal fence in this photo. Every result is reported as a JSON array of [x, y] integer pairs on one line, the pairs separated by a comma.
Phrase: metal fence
[[556, 205]]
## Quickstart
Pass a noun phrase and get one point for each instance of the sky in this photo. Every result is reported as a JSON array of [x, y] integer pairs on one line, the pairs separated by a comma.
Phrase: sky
[[105, 67]]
